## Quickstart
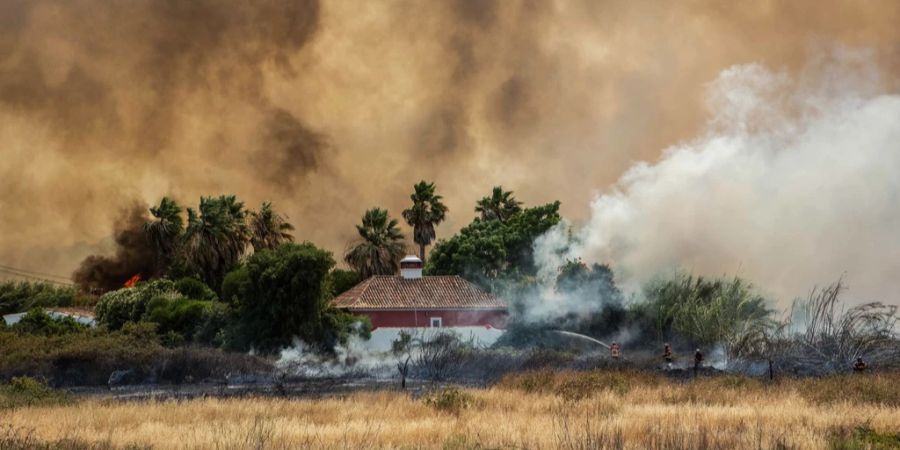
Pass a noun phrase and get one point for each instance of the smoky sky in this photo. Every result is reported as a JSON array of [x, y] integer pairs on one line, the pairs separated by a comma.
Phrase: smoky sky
[[330, 108]]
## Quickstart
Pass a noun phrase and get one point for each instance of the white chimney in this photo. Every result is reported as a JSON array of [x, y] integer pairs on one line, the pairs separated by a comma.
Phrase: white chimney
[[411, 267]]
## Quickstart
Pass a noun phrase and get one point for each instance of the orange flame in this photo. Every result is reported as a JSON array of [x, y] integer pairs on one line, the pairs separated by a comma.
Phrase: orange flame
[[133, 281]]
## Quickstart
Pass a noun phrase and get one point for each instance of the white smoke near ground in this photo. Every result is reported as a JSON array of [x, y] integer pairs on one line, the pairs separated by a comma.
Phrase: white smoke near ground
[[794, 182], [352, 358]]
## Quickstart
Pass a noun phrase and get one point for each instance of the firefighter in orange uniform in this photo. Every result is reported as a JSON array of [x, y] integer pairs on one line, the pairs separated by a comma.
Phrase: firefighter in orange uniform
[[615, 350], [860, 366]]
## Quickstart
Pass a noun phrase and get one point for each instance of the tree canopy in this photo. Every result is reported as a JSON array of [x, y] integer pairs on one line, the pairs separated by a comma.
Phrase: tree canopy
[[268, 228], [284, 296], [164, 231], [379, 248], [500, 205], [426, 212], [488, 250], [215, 239]]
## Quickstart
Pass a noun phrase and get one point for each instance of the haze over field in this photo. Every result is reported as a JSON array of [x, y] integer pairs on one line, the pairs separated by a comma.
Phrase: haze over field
[[768, 130]]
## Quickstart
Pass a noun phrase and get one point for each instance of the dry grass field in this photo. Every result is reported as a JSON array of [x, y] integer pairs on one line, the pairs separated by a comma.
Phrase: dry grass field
[[536, 410]]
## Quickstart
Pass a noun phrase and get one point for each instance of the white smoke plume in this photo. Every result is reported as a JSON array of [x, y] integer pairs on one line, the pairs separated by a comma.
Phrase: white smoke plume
[[353, 358], [794, 182]]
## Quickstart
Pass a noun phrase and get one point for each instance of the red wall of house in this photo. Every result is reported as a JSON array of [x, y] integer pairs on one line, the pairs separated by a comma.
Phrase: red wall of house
[[449, 318]]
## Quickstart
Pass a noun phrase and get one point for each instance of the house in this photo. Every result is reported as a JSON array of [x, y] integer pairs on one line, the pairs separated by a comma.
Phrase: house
[[424, 305]]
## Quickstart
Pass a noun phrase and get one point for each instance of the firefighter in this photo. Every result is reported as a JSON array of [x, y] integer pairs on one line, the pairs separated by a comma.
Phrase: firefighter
[[668, 356], [860, 366], [614, 350], [698, 358]]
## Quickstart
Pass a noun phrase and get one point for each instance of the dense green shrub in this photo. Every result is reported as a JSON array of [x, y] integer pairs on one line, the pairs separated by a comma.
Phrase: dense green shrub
[[213, 323], [234, 287], [39, 322], [23, 296], [130, 304], [701, 311], [281, 295], [340, 281], [178, 315], [194, 289]]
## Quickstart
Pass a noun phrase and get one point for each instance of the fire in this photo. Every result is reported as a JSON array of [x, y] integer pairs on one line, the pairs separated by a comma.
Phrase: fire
[[133, 281]]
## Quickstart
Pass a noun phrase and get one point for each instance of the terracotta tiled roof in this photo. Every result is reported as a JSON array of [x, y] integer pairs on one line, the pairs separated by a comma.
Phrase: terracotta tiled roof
[[438, 292]]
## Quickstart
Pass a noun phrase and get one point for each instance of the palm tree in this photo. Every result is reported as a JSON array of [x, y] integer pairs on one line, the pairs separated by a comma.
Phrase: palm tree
[[501, 205], [216, 237], [380, 245], [164, 231], [269, 229], [426, 212]]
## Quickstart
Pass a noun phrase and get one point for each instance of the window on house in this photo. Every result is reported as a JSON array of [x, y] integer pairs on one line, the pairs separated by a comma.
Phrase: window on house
[[435, 322]]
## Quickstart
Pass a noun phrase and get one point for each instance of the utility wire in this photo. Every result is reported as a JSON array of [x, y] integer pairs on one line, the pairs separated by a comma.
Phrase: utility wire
[[34, 272], [35, 276]]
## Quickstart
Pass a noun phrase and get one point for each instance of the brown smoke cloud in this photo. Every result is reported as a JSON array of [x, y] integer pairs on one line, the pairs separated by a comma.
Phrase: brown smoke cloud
[[329, 108]]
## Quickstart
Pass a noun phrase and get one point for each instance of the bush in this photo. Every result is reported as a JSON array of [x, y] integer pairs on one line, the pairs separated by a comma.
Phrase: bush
[[450, 400], [194, 364], [88, 358], [179, 315], [130, 304], [235, 286], [27, 391], [281, 295], [195, 289], [211, 329], [85, 358], [340, 281], [23, 296], [85, 301], [703, 311], [439, 357], [40, 323]]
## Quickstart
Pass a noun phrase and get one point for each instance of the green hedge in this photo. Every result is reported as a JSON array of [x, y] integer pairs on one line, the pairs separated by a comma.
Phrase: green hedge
[[23, 296]]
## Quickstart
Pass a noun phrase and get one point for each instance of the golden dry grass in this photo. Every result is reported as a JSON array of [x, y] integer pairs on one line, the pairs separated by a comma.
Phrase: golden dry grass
[[721, 413]]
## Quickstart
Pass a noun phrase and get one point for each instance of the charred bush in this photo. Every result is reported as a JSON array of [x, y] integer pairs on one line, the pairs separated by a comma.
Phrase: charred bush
[[439, 357], [194, 364]]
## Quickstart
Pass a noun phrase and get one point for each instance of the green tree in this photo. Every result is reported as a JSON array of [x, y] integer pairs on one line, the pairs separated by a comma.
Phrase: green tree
[[216, 237], [426, 212], [340, 281], [379, 247], [485, 251], [165, 231], [285, 297], [269, 229], [500, 205]]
